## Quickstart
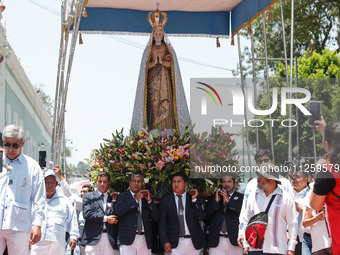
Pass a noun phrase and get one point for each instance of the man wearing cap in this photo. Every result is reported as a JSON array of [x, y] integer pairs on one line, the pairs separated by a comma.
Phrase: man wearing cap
[[136, 211], [281, 215], [221, 215], [60, 218], [77, 201], [262, 156], [22, 196]]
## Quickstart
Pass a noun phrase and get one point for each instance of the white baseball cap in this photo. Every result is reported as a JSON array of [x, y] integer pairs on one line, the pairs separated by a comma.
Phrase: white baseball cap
[[50, 172]]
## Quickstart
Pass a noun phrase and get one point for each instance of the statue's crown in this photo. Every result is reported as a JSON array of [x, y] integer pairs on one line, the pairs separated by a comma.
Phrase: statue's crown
[[153, 19]]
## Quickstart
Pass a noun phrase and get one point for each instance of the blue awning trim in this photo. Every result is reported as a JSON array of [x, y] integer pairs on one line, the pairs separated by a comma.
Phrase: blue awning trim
[[133, 21], [247, 10]]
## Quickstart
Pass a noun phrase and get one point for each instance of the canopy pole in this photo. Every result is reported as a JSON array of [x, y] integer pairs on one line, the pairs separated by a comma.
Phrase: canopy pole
[[61, 47], [245, 104], [60, 83], [69, 66], [254, 86], [267, 81], [62, 91], [297, 115], [290, 158]]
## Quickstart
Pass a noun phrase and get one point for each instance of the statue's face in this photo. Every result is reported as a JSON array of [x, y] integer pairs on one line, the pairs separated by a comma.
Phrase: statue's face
[[158, 36]]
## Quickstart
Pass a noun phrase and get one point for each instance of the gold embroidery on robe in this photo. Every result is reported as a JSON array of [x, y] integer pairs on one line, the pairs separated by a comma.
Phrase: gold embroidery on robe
[[160, 108]]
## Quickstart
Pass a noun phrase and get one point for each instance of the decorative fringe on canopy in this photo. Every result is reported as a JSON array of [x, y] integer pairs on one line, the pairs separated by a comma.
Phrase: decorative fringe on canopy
[[80, 39], [148, 34], [249, 28], [85, 13], [218, 42], [270, 14]]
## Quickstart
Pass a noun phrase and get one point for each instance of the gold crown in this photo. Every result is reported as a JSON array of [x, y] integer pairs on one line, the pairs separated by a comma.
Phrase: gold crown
[[153, 19]]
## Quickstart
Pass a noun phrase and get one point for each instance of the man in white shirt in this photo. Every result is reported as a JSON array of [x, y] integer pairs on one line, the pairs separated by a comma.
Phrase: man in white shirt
[[22, 196], [281, 215], [60, 218], [262, 156], [77, 202], [300, 191]]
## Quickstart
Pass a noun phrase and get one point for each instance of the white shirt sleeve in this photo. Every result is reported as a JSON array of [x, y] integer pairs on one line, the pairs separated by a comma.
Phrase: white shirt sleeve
[[72, 222], [292, 223], [78, 201], [38, 196]]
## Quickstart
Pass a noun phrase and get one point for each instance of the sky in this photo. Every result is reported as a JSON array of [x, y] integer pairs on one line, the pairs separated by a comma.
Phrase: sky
[[105, 69]]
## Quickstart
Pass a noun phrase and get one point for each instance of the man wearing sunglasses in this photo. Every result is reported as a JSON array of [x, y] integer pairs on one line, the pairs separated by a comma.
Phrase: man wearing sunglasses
[[22, 196]]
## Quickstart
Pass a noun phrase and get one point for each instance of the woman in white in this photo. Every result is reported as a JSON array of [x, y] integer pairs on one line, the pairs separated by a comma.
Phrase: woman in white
[[321, 237]]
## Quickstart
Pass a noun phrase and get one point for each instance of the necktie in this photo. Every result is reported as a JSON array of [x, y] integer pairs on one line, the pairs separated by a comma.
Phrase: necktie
[[139, 219], [102, 197], [224, 224], [181, 216]]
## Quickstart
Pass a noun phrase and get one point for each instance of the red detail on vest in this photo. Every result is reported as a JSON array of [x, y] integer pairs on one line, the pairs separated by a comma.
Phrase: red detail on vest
[[333, 208]]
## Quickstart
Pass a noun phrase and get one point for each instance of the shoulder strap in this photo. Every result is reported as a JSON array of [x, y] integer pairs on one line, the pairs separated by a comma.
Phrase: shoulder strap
[[335, 194], [270, 203]]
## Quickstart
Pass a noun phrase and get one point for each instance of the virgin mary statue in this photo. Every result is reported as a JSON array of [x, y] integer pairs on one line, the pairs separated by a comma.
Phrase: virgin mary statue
[[160, 100]]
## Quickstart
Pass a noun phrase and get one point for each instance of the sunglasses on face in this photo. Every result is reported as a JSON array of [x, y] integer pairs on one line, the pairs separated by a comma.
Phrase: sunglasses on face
[[14, 145], [260, 161]]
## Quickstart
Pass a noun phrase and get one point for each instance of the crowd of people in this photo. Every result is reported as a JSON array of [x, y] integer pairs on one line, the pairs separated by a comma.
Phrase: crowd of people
[[276, 213]]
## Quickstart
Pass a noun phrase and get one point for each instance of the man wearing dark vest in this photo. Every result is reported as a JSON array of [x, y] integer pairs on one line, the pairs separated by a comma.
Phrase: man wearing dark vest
[[136, 211], [100, 229], [180, 231], [222, 212]]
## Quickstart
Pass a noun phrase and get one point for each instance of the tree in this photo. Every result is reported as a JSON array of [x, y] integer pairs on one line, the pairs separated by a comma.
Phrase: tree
[[316, 27], [315, 70], [45, 99]]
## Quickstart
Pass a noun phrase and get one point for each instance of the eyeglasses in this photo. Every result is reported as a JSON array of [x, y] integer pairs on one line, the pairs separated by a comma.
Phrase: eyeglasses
[[14, 145], [260, 161]]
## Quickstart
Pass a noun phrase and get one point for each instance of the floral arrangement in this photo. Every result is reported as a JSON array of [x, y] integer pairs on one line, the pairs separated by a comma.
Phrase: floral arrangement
[[159, 156]]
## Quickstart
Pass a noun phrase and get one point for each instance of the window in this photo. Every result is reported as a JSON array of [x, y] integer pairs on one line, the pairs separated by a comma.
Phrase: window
[[8, 115], [15, 118]]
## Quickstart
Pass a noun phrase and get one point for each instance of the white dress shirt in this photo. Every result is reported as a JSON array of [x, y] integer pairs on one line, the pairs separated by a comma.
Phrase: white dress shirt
[[78, 203], [22, 195], [320, 234], [251, 189], [282, 215], [60, 218], [299, 198]]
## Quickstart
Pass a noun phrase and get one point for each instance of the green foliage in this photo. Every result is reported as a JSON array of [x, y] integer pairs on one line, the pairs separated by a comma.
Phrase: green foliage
[[315, 70], [316, 26], [45, 99]]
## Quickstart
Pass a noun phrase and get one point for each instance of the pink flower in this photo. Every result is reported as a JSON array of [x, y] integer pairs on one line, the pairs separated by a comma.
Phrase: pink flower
[[147, 147], [160, 164]]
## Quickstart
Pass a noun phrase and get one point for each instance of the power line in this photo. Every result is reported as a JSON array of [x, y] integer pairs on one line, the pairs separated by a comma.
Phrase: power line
[[131, 43], [45, 7]]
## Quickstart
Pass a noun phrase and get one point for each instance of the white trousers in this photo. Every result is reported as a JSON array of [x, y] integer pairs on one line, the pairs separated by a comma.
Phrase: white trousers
[[17, 242], [103, 247], [225, 248], [48, 247], [185, 247], [138, 247]]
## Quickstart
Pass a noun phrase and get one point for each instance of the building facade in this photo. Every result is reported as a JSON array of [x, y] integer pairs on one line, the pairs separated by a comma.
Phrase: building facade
[[20, 104]]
